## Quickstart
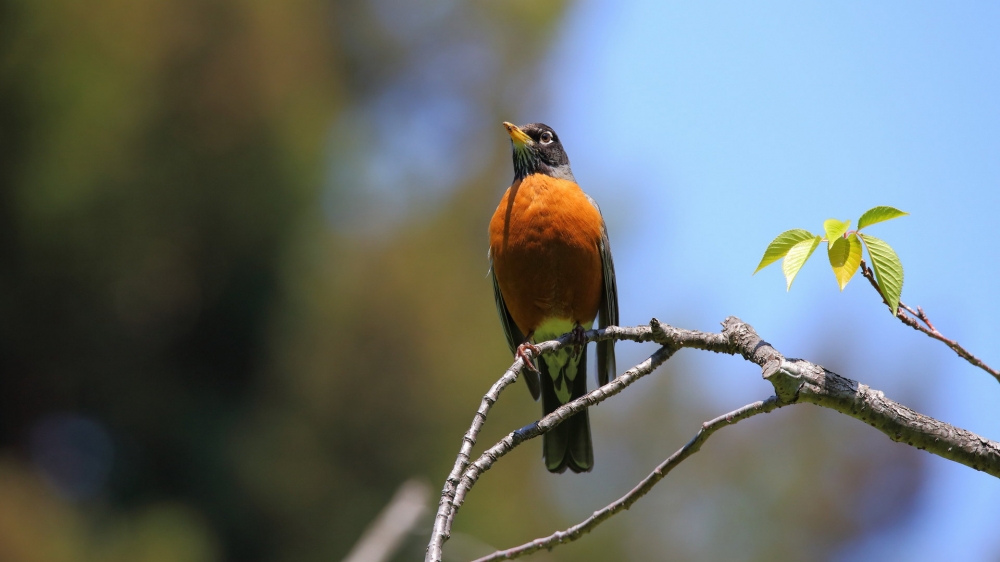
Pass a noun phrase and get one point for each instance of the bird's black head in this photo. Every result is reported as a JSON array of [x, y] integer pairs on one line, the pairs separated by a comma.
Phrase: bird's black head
[[537, 150]]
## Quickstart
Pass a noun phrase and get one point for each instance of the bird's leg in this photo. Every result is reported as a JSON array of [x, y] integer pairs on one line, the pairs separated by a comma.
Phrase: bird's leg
[[578, 338], [520, 353]]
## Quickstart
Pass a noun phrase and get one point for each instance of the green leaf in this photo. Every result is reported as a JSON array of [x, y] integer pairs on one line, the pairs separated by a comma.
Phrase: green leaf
[[780, 246], [879, 214], [797, 256], [845, 258], [888, 270], [834, 230]]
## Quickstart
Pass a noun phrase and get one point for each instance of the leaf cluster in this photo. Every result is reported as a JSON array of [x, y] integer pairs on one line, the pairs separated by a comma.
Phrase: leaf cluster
[[844, 249]]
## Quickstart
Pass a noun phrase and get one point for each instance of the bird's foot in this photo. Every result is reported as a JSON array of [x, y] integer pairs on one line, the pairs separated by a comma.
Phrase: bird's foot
[[520, 353], [578, 338]]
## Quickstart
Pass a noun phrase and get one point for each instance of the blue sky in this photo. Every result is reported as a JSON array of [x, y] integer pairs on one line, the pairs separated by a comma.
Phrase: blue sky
[[705, 129]]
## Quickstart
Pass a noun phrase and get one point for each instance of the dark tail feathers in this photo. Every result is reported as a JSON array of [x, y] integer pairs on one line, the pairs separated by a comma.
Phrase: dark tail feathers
[[568, 445]]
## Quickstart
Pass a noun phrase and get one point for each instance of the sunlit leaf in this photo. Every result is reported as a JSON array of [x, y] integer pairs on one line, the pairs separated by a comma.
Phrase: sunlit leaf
[[797, 256], [834, 230], [845, 258], [888, 270], [780, 246], [879, 214]]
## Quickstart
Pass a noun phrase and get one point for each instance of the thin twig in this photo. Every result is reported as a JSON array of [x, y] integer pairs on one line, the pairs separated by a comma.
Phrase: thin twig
[[921, 315], [445, 511], [447, 504], [930, 330], [384, 535], [626, 501], [547, 423]]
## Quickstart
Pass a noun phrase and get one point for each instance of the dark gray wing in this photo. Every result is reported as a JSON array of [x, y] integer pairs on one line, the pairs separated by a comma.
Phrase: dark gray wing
[[608, 310], [513, 334]]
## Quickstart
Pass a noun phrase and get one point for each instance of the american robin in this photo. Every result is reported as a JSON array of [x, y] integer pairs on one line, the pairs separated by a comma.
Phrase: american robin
[[552, 274]]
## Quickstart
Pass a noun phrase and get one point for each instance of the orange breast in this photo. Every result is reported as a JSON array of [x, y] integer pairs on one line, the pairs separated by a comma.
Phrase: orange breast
[[544, 241]]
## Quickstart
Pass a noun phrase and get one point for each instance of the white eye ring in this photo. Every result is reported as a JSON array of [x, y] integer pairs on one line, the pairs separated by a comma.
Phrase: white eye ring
[[546, 137]]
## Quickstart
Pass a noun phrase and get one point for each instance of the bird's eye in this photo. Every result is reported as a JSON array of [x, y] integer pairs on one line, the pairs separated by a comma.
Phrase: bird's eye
[[546, 137]]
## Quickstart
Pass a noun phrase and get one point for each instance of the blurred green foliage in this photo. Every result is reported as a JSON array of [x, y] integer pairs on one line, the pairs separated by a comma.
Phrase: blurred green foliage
[[244, 243]]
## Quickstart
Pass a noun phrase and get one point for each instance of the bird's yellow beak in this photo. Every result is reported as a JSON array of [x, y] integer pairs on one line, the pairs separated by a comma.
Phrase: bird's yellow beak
[[520, 138]]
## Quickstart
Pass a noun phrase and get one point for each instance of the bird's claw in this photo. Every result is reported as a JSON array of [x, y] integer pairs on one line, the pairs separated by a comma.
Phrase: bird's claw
[[520, 353], [579, 339]]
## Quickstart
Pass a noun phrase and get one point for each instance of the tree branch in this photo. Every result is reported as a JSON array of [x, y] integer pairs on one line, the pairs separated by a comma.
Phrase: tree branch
[[799, 380], [794, 380], [930, 330], [383, 536], [626, 501], [561, 414], [446, 506], [442, 520]]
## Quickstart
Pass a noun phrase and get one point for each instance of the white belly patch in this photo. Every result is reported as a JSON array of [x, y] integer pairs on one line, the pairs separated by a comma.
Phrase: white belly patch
[[563, 361]]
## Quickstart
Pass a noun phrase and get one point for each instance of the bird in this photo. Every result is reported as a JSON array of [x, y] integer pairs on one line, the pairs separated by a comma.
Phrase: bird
[[552, 273]]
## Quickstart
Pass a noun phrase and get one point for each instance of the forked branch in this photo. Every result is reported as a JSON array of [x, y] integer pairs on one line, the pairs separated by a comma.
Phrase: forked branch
[[794, 381], [626, 501]]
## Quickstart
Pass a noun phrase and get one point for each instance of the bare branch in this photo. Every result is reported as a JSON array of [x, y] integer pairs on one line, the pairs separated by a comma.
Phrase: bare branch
[[446, 506], [930, 330], [797, 380], [442, 520], [626, 501], [383, 536], [561, 414], [794, 380]]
